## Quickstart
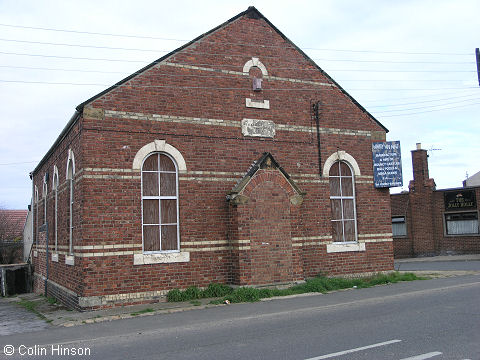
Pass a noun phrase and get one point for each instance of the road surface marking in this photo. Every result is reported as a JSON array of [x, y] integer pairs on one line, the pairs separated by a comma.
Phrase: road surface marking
[[424, 356], [354, 350]]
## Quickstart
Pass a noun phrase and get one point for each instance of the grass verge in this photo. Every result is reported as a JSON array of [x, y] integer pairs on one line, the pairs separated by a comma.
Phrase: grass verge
[[320, 284]]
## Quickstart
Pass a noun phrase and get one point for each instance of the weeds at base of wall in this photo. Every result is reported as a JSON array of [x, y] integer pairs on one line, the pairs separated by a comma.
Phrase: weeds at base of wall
[[320, 284], [147, 310], [194, 293]]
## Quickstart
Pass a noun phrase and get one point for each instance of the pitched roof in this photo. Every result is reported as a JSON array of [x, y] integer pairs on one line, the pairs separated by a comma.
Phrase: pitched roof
[[473, 180], [12, 223], [251, 12], [266, 161]]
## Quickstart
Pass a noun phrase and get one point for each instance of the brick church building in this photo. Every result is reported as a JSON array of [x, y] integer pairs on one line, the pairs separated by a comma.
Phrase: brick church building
[[233, 159]]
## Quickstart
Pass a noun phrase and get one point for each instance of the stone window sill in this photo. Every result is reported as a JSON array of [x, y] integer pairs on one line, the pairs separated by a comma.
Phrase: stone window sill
[[334, 248], [70, 260], [161, 258]]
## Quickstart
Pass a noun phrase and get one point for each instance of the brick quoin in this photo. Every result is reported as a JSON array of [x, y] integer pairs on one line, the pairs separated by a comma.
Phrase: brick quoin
[[424, 210], [254, 206]]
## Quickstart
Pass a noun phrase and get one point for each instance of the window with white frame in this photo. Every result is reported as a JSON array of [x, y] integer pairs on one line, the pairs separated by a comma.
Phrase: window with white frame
[[462, 223], [35, 215], [342, 202], [44, 196], [70, 175], [55, 196], [160, 204], [399, 226]]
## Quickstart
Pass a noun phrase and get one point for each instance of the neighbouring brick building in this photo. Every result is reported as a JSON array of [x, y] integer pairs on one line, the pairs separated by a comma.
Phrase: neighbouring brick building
[[12, 223], [427, 221], [234, 159]]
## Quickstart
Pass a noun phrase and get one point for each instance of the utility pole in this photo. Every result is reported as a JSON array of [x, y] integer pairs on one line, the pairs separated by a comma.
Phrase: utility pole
[[477, 55]]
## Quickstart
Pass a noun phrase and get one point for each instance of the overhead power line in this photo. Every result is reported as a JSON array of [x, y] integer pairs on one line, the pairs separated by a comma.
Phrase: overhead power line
[[91, 32], [225, 88], [427, 111], [230, 54], [428, 106], [219, 75], [425, 101], [72, 57], [225, 65], [19, 163], [466, 92], [232, 43]]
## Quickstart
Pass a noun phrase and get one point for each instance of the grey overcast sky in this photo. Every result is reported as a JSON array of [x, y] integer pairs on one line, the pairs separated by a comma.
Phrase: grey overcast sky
[[410, 63]]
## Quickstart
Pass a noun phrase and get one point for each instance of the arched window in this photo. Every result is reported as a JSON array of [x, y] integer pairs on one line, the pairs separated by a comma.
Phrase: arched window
[[35, 215], [342, 201], [44, 196], [160, 203], [70, 174], [55, 196]]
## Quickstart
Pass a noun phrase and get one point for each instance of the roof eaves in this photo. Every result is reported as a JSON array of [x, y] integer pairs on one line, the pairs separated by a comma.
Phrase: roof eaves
[[63, 134], [253, 13], [319, 68], [251, 9]]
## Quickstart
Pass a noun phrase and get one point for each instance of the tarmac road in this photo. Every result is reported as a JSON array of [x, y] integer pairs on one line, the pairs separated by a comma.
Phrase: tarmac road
[[437, 319]]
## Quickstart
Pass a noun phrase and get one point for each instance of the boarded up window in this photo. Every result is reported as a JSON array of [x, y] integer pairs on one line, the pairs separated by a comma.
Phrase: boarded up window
[[342, 203], [159, 204]]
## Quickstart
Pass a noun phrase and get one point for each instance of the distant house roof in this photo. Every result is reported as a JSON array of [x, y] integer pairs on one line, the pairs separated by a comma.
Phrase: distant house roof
[[473, 180], [12, 223]]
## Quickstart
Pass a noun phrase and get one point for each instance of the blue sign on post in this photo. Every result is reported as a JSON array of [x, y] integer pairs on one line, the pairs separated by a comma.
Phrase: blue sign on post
[[387, 164]]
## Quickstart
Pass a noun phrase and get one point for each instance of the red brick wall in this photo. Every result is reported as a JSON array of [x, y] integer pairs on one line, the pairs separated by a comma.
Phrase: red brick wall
[[424, 209], [107, 210], [402, 245], [70, 277], [453, 244]]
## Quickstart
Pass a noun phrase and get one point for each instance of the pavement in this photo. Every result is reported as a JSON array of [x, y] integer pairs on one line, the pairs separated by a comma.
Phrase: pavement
[[16, 318], [472, 257]]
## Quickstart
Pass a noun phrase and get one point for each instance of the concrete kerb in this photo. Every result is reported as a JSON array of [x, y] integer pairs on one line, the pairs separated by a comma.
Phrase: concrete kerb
[[57, 315], [470, 257]]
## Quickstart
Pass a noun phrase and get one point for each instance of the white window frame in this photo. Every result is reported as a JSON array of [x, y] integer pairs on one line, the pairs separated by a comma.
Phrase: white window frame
[[55, 192], [461, 234], [44, 197], [160, 198], [141, 155], [400, 220], [36, 215], [70, 174], [341, 198]]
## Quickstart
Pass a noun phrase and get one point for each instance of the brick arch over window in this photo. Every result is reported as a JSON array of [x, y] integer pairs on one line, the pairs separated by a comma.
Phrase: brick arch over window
[[341, 156], [159, 146], [262, 206]]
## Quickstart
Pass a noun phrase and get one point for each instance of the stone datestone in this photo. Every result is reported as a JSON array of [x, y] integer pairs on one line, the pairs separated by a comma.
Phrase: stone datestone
[[260, 128]]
